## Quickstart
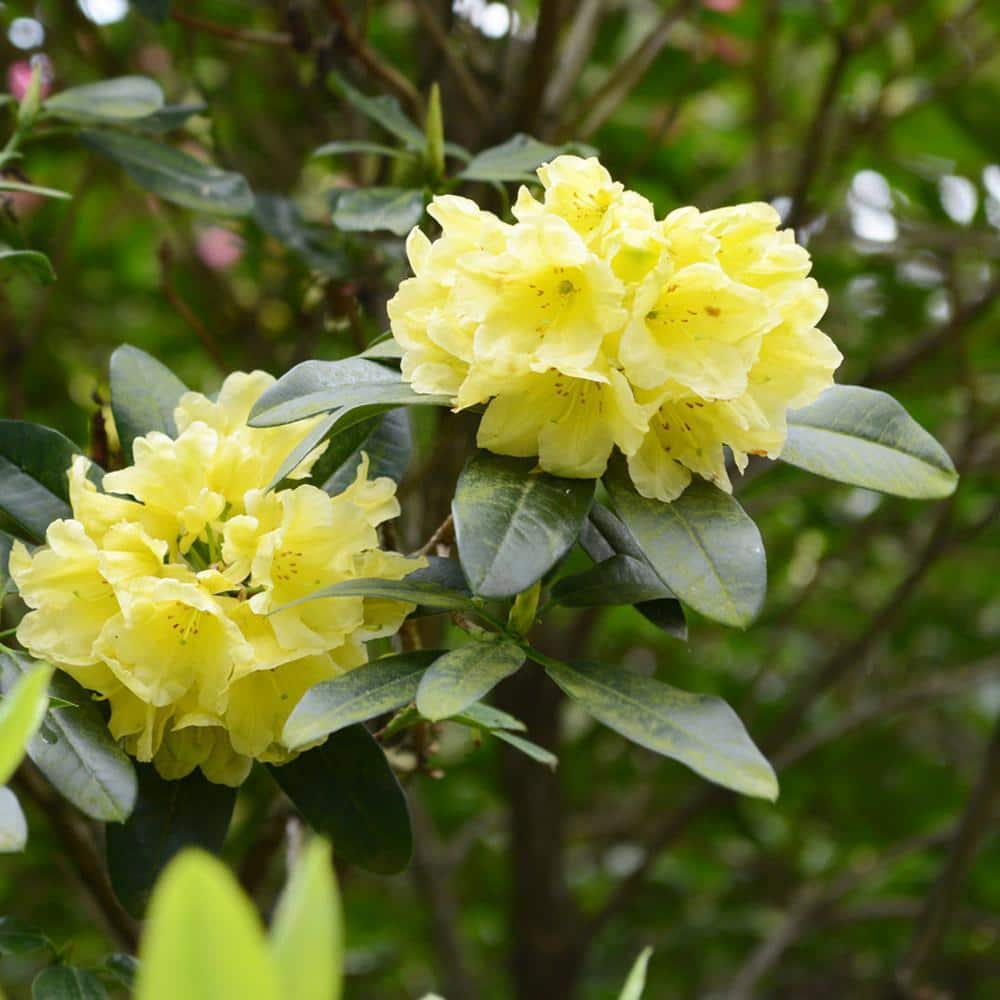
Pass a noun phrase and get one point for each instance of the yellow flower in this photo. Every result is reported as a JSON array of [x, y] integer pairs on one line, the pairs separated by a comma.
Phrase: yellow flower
[[589, 324], [165, 593]]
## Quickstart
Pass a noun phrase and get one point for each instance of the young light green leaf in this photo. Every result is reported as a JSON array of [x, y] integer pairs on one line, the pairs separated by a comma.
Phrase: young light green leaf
[[513, 160], [75, 751], [702, 545], [512, 524], [462, 676], [174, 175], [203, 940], [636, 982], [144, 394], [544, 757], [29, 263], [865, 438], [307, 934], [699, 730], [63, 982], [361, 694], [13, 825], [346, 791], [122, 99], [368, 210], [21, 712]]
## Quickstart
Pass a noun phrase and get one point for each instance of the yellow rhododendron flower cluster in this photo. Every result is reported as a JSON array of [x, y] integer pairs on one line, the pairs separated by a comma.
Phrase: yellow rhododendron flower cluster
[[589, 324], [164, 592]]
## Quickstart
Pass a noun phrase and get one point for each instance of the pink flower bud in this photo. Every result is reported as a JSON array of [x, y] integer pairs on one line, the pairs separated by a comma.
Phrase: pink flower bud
[[19, 76], [722, 6], [219, 248]]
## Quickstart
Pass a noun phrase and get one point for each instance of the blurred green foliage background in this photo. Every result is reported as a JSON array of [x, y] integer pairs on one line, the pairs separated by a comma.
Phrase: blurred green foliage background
[[872, 678]]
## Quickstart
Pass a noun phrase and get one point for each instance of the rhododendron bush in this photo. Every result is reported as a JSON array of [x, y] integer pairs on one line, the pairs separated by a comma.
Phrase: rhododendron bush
[[243, 615]]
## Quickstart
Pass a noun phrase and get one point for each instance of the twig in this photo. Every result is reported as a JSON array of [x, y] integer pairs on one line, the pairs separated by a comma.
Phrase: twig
[[248, 36], [543, 52], [443, 537], [940, 904], [166, 257]]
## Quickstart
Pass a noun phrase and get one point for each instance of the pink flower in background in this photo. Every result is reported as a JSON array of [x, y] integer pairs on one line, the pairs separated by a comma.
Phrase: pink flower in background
[[19, 76], [722, 6], [219, 248]]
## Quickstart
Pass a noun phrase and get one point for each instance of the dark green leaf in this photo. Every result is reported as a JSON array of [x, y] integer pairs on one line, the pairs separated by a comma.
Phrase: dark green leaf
[[382, 110], [361, 694], [321, 386], [168, 816], [462, 676], [144, 394], [122, 99], [75, 751], [699, 730], [34, 468], [168, 118], [446, 573], [319, 246], [513, 160], [20, 938], [389, 446], [63, 982], [513, 524], [866, 438], [532, 750], [346, 790], [703, 546], [422, 592], [30, 263], [174, 175], [342, 146], [7, 585], [368, 210], [618, 580]]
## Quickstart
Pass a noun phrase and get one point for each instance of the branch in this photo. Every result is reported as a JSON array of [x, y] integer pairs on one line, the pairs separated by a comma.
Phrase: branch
[[242, 35], [443, 538], [574, 54], [540, 64], [940, 904]]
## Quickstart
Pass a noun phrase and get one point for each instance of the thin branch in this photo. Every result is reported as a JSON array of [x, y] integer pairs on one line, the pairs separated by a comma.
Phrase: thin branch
[[248, 36], [443, 538], [183, 309], [940, 904]]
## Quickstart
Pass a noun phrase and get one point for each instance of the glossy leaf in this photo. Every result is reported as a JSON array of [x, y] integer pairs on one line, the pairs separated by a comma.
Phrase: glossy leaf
[[122, 99], [307, 934], [361, 694], [144, 394], [168, 816], [512, 524], [22, 709], [203, 939], [635, 985], [29, 263], [346, 791], [513, 160], [13, 825], [480, 716], [74, 750], [389, 447], [34, 467], [464, 675], [699, 730], [321, 386], [539, 754], [618, 580], [703, 546], [174, 175], [421, 592], [368, 210], [64, 982], [20, 938], [865, 438]]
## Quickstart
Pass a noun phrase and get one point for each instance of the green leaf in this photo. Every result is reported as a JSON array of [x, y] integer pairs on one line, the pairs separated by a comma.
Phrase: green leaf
[[6, 184], [512, 524], [389, 447], [21, 712], [168, 118], [386, 348], [144, 394], [20, 938], [29, 263], [124, 968], [618, 580], [480, 716], [636, 982], [168, 816], [346, 791], [74, 750], [513, 160], [604, 536], [361, 694], [319, 246], [699, 730], [321, 386], [7, 585], [384, 111], [307, 934], [462, 676], [63, 982], [203, 939], [122, 99], [174, 175], [34, 468], [865, 438], [13, 825], [529, 749], [368, 210], [703, 546], [341, 146]]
